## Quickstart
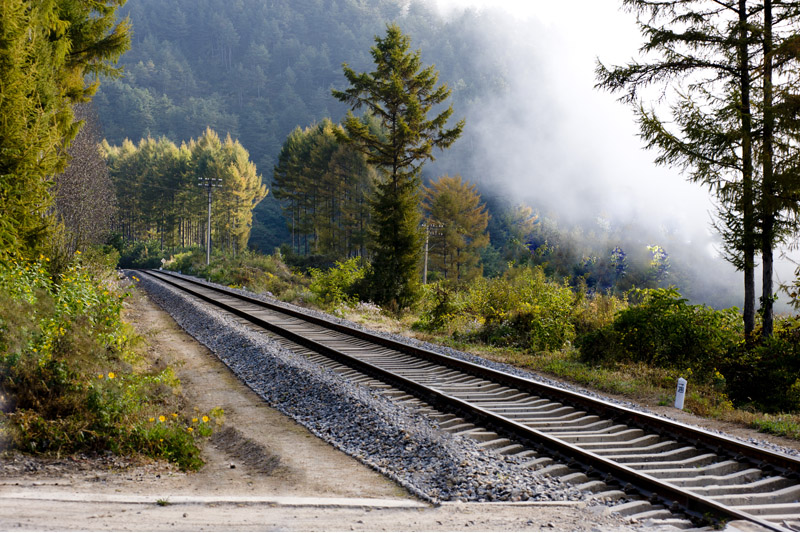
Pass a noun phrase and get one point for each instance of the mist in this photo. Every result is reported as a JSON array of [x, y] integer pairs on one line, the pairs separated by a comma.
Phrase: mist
[[552, 141]]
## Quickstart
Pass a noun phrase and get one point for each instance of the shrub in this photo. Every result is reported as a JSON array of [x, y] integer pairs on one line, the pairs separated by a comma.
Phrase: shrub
[[523, 309], [69, 379], [662, 330], [765, 376], [337, 285], [439, 307]]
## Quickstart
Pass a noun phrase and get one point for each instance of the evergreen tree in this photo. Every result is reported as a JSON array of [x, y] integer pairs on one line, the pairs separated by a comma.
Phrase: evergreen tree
[[399, 94], [47, 51], [713, 54], [459, 221]]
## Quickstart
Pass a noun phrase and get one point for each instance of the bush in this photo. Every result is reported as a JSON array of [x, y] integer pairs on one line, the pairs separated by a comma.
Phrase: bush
[[765, 376], [662, 330], [69, 378], [439, 307], [140, 254], [522, 309], [337, 285]]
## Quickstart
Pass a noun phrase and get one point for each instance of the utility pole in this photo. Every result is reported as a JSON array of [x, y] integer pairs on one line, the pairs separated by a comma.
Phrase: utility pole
[[437, 227], [209, 183]]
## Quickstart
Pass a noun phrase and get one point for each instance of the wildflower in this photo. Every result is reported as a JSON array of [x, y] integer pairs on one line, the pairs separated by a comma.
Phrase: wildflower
[[111, 375], [175, 415], [151, 419], [162, 418], [100, 376], [194, 420], [205, 418], [190, 429]]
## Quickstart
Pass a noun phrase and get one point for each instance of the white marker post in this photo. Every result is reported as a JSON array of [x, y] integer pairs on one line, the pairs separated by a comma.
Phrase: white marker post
[[681, 389]]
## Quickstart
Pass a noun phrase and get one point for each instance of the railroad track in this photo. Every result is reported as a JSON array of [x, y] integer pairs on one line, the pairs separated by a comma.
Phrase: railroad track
[[673, 470]]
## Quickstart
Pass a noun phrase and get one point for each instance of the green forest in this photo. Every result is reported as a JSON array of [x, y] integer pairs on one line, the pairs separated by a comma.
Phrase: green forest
[[330, 152]]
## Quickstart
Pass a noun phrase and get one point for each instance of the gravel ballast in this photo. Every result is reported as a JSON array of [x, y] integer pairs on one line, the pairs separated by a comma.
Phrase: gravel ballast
[[389, 437]]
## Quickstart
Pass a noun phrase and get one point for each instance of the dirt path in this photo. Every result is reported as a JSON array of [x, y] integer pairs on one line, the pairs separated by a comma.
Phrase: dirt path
[[263, 472]]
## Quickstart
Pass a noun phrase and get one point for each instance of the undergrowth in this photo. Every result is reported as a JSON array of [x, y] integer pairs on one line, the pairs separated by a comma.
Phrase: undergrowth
[[72, 377]]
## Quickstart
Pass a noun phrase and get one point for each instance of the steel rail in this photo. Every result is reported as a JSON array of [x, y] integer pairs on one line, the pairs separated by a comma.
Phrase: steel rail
[[633, 480]]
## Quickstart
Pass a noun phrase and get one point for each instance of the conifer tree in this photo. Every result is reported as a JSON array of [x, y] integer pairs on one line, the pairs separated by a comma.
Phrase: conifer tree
[[400, 94], [47, 51], [711, 55]]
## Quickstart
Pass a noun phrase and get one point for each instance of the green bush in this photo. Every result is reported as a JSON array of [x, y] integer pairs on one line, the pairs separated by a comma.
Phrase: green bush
[[765, 376], [522, 309], [336, 286], [439, 307], [69, 378], [662, 330]]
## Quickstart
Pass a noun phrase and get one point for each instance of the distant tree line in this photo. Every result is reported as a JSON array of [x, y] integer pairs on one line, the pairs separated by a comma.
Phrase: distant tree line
[[162, 191], [323, 186]]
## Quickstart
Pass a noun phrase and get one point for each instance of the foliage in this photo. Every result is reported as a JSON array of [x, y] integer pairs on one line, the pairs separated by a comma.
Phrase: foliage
[[456, 225], [721, 64], [773, 361], [522, 308], [249, 270], [661, 329], [257, 70], [48, 51], [441, 305], [160, 195], [337, 285], [323, 187], [70, 378], [399, 94]]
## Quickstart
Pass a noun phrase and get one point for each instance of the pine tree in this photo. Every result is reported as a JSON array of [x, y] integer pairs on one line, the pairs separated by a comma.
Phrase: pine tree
[[453, 209], [399, 93]]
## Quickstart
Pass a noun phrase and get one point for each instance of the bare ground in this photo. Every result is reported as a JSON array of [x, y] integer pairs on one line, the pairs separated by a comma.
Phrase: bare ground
[[263, 472]]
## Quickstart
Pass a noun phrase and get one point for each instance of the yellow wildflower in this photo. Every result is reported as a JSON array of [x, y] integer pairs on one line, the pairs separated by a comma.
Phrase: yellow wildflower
[[194, 420], [151, 419], [205, 418], [111, 375], [162, 418], [190, 430]]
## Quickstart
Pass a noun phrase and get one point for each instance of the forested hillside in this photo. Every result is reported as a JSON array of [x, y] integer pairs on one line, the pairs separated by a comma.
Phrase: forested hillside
[[258, 69]]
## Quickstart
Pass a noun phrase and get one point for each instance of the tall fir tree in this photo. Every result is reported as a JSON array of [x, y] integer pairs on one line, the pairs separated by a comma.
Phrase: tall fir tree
[[48, 51], [400, 94]]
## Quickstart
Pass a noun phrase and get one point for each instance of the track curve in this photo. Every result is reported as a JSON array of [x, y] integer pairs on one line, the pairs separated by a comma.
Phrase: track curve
[[675, 466]]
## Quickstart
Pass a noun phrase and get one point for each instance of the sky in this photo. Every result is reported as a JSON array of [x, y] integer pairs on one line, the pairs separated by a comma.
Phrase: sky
[[572, 151], [591, 140]]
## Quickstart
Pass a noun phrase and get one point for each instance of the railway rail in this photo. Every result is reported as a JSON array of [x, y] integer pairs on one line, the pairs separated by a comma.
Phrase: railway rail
[[675, 469]]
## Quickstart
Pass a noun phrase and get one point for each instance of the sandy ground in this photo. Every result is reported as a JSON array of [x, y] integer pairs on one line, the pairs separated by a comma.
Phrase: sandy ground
[[263, 472]]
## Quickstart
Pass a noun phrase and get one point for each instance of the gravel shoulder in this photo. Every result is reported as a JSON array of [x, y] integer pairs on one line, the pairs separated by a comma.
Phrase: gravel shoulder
[[263, 471]]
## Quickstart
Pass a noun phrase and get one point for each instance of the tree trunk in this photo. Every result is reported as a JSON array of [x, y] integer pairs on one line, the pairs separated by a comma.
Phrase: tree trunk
[[748, 174], [768, 220]]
